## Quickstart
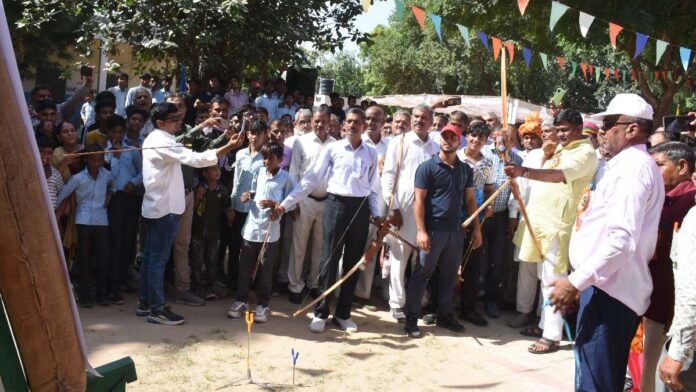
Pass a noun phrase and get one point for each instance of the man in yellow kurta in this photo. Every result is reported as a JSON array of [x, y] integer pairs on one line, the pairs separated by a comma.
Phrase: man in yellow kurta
[[553, 201]]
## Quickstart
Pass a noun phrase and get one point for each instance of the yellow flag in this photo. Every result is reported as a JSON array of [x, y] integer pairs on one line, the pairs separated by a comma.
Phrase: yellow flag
[[678, 110]]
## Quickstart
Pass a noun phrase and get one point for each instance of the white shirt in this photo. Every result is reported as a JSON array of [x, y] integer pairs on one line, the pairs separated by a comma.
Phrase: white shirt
[[305, 151], [381, 148], [351, 172], [534, 160], [267, 187], [614, 238], [162, 178], [120, 99], [270, 104]]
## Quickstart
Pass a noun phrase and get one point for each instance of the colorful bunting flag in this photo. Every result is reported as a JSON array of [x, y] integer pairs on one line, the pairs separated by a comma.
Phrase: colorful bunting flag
[[496, 47], [685, 54], [583, 68], [419, 13], [641, 40], [557, 10], [400, 6], [561, 61], [484, 39], [585, 23], [614, 31], [660, 47], [591, 68], [575, 68], [544, 60], [657, 75], [437, 22], [623, 75], [511, 50], [527, 54], [464, 31], [365, 5], [596, 76], [669, 76], [616, 74], [664, 76], [522, 5]]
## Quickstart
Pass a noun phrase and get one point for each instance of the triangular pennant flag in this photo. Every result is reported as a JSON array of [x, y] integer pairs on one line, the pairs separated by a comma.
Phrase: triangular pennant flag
[[365, 5], [616, 74], [561, 61], [678, 111], [496, 47], [679, 79], [657, 75], [419, 13], [585, 23], [399, 11], [685, 54], [527, 54], [606, 73], [484, 39], [660, 47], [583, 68], [664, 76], [641, 40], [437, 22], [464, 31], [522, 5], [591, 68], [544, 60], [511, 50], [633, 75], [596, 76], [669, 76], [557, 10], [623, 75], [614, 30], [575, 68]]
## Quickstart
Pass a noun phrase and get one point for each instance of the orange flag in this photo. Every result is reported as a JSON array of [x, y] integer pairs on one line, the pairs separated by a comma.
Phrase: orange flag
[[522, 5], [664, 76], [616, 74], [561, 61], [419, 13], [583, 68], [496, 47], [614, 30], [606, 73], [511, 50], [591, 67]]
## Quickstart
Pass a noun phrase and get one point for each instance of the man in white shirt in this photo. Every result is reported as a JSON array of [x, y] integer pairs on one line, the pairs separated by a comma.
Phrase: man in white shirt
[[351, 168], [305, 152], [268, 101], [120, 91], [403, 156], [613, 239], [373, 138], [163, 203]]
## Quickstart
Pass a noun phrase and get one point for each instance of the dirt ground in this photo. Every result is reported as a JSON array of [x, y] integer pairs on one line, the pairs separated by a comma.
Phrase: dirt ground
[[209, 351]]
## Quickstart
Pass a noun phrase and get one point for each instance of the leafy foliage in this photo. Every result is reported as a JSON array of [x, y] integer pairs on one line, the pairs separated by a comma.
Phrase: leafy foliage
[[346, 71]]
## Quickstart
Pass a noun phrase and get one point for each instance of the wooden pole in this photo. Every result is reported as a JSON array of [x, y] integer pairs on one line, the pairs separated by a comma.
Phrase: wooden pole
[[32, 276]]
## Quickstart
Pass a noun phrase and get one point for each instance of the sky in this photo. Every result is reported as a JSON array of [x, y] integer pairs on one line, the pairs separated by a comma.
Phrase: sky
[[377, 14]]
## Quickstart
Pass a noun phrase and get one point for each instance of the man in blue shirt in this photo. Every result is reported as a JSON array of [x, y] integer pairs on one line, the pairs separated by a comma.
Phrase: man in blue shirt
[[440, 185]]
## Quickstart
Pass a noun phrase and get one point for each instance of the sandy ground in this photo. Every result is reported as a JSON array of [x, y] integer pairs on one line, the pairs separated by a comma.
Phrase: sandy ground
[[209, 351]]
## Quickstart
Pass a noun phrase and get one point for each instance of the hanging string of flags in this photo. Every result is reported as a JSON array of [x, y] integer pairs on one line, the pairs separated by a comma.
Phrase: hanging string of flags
[[494, 44]]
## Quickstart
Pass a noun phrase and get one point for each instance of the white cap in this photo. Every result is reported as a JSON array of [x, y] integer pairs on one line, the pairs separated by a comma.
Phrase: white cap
[[628, 105]]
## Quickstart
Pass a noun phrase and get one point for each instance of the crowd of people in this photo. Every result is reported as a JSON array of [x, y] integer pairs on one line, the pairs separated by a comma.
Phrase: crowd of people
[[221, 193]]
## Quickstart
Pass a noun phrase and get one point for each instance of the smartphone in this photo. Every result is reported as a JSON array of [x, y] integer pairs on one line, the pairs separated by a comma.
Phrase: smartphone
[[86, 71], [678, 124], [223, 124]]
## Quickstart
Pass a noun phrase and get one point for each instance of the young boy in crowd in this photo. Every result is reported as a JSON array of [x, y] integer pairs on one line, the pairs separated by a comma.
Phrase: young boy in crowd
[[211, 205], [99, 134], [92, 189], [115, 129], [135, 120], [276, 133], [53, 178], [261, 233]]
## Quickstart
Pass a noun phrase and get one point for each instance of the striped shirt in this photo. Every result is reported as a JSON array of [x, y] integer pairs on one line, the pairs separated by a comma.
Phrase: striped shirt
[[55, 183]]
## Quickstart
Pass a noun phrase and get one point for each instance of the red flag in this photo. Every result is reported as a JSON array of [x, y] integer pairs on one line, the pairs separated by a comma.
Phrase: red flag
[[561, 61], [614, 30], [511, 50], [606, 73], [496, 47], [419, 13], [583, 68], [616, 74], [657, 75], [522, 5], [633, 75]]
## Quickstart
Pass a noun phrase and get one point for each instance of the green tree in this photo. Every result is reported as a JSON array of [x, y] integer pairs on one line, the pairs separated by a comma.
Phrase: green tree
[[346, 71], [253, 37]]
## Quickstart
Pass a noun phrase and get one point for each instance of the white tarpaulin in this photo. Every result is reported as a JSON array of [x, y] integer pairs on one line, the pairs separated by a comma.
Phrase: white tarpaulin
[[477, 105], [411, 101]]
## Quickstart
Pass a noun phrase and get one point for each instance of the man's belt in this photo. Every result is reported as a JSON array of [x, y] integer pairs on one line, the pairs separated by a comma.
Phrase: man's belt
[[317, 198]]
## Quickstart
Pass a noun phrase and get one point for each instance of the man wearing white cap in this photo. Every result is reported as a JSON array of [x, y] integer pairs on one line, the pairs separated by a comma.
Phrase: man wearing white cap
[[613, 239]]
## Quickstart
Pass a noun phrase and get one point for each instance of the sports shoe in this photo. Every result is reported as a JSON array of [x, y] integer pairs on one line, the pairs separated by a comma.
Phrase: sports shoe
[[237, 309], [164, 316], [261, 314], [429, 318], [492, 309], [317, 325], [190, 299], [142, 309], [398, 315], [412, 330], [449, 322], [347, 325], [295, 298]]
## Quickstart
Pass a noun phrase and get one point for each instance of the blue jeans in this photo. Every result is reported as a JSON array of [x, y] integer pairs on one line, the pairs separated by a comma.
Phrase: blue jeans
[[159, 237]]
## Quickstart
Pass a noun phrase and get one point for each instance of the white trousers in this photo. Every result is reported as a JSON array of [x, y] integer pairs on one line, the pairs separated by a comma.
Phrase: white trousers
[[308, 223], [399, 254], [527, 283], [551, 321]]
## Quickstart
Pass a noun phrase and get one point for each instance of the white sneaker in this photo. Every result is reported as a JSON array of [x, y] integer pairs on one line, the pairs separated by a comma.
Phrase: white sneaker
[[347, 325], [261, 314], [317, 325], [237, 309]]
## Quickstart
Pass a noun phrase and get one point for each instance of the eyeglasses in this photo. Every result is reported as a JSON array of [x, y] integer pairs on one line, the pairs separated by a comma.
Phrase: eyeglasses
[[607, 125], [172, 118]]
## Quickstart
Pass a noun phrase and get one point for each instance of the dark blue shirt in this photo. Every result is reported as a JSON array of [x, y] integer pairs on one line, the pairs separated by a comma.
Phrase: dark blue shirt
[[445, 186]]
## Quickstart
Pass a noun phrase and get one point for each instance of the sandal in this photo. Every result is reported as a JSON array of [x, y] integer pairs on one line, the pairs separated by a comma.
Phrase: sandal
[[548, 346], [532, 332]]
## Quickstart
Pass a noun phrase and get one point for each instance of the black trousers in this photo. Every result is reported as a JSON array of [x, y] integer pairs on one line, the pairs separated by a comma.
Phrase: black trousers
[[263, 276], [342, 238], [236, 242], [92, 261], [495, 234], [471, 260], [124, 217], [204, 252]]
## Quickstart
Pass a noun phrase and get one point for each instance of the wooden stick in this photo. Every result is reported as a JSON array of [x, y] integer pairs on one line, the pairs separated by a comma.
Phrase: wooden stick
[[485, 204], [79, 154], [523, 211]]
